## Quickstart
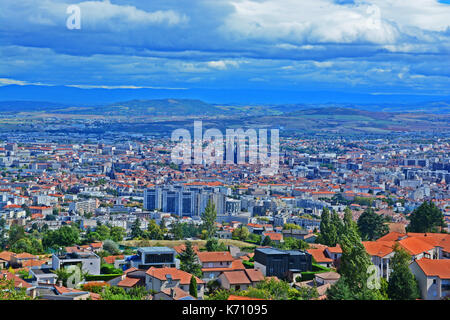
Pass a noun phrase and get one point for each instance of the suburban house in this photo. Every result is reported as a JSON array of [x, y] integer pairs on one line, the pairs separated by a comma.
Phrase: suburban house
[[299, 234], [214, 263], [418, 245], [255, 228], [131, 278], [433, 277], [19, 283], [173, 294], [419, 249], [160, 279], [240, 280], [6, 258], [335, 253], [284, 264], [327, 278], [322, 282], [319, 256], [381, 253], [43, 275], [157, 257], [275, 237], [89, 261], [56, 292], [428, 245]]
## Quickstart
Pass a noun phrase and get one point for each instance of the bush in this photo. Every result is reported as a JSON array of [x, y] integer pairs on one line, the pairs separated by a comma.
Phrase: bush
[[318, 267], [248, 264], [96, 287], [310, 275], [109, 269]]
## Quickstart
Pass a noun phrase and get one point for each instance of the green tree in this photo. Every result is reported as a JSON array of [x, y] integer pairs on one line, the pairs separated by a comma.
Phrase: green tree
[[354, 270], [328, 230], [188, 261], [8, 291], [136, 231], [111, 247], [92, 236], [28, 245], [193, 287], [267, 242], [426, 218], [293, 244], [16, 233], [117, 233], [402, 284], [103, 232], [213, 245], [241, 233], [371, 225], [209, 219], [154, 231], [63, 237], [291, 226], [177, 230]]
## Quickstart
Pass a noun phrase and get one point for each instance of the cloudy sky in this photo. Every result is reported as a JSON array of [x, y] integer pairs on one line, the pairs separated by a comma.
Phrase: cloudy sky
[[376, 47]]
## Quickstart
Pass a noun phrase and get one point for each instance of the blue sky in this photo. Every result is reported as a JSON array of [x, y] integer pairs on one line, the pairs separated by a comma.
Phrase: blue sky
[[363, 48]]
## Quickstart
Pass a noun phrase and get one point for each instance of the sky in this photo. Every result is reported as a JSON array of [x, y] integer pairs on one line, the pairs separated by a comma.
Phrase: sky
[[227, 50]]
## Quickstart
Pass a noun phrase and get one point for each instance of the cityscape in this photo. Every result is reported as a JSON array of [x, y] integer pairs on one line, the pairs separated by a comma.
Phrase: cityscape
[[196, 183]]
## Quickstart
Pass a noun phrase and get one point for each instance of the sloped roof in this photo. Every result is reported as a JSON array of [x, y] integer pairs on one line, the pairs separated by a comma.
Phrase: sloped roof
[[214, 256], [439, 268], [161, 274]]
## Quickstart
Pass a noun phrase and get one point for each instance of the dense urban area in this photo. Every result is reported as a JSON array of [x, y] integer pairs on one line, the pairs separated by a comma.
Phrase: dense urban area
[[90, 216]]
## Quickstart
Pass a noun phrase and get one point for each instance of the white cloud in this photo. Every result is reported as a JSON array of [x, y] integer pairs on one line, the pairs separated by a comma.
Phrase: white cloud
[[323, 64], [7, 82], [222, 64], [303, 22]]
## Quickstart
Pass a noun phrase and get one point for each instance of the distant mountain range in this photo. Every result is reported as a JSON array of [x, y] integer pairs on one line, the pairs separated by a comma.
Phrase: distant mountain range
[[191, 107], [278, 99]]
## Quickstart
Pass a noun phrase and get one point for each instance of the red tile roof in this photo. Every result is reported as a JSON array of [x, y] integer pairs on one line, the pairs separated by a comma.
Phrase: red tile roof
[[319, 255], [379, 248], [179, 293], [18, 282], [128, 282], [218, 256], [236, 277], [439, 268], [415, 246], [274, 236], [161, 274], [254, 275]]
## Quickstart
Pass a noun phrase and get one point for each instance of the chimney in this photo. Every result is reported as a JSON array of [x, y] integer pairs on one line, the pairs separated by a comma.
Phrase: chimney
[[172, 293], [60, 283]]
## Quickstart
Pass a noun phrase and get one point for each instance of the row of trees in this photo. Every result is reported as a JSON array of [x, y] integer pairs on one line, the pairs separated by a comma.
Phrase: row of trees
[[269, 290], [371, 226]]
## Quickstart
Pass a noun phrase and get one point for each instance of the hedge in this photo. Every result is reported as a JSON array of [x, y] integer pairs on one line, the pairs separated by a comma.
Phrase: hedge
[[102, 277], [310, 275]]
